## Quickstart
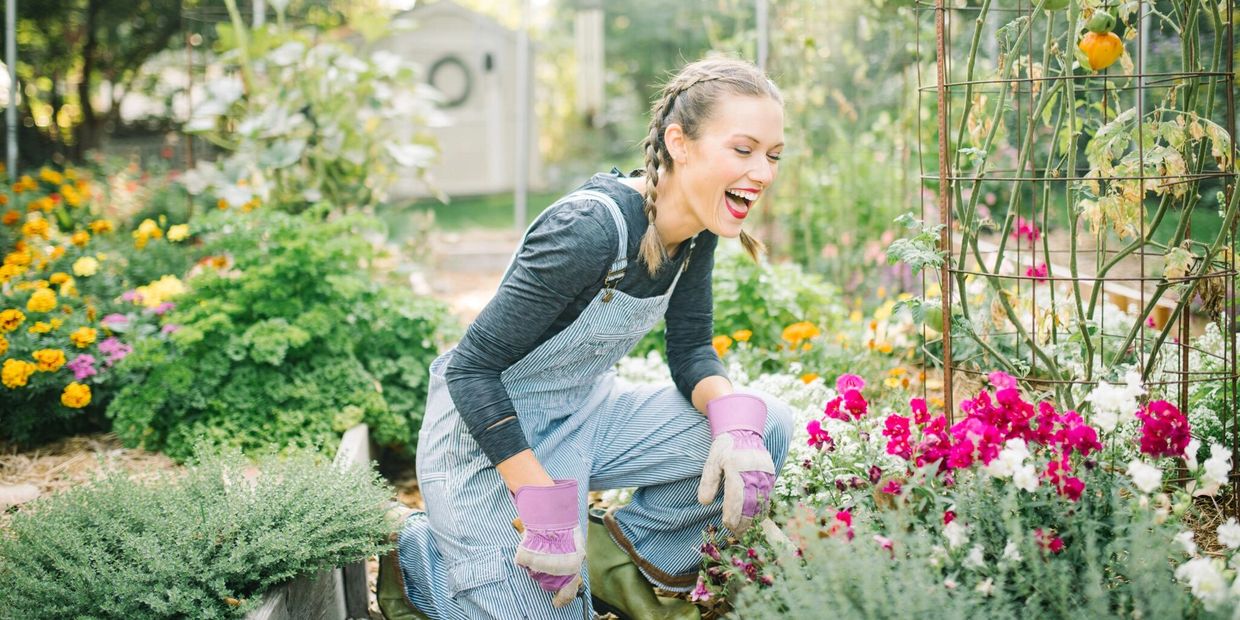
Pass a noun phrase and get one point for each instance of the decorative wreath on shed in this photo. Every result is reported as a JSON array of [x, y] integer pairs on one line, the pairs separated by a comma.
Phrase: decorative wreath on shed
[[452, 62]]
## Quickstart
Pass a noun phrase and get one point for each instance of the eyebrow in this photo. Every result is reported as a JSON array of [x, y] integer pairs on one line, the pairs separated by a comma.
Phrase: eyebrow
[[753, 139]]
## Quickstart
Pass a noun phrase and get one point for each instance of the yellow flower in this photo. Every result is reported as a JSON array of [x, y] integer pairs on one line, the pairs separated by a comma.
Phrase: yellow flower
[[161, 290], [80, 238], [51, 176], [76, 395], [83, 337], [71, 195], [742, 335], [50, 360], [43, 204], [8, 272], [57, 252], [16, 373], [42, 300], [722, 344], [221, 204], [885, 347], [35, 228], [24, 184], [68, 289], [148, 228], [891, 382], [102, 226], [58, 278], [809, 377], [85, 267], [40, 328], [4, 345], [797, 332], [19, 258], [178, 233], [251, 205], [11, 319], [897, 371], [10, 217]]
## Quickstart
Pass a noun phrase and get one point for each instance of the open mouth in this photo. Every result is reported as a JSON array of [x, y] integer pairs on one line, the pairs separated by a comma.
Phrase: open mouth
[[739, 201]]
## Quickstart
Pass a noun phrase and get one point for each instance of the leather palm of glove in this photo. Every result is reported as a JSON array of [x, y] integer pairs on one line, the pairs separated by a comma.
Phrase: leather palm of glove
[[738, 457], [552, 547]]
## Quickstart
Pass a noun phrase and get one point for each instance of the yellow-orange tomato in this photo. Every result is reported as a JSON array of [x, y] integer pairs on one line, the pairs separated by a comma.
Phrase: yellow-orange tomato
[[1102, 49]]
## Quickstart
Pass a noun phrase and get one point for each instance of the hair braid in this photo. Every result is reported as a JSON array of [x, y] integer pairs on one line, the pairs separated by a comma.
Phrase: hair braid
[[651, 249]]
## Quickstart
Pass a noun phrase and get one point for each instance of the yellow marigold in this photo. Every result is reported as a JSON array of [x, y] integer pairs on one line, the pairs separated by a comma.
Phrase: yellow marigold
[[149, 228], [44, 204], [809, 377], [4, 345], [40, 327], [102, 226], [722, 344], [68, 289], [76, 395], [35, 228], [11, 319], [21, 257], [80, 238], [91, 313], [742, 335], [797, 332], [251, 205], [50, 360], [11, 217], [24, 184], [221, 204], [71, 195], [83, 337], [85, 267], [51, 176], [57, 252], [8, 272], [58, 278], [4, 199], [180, 232], [16, 373], [42, 300], [161, 290]]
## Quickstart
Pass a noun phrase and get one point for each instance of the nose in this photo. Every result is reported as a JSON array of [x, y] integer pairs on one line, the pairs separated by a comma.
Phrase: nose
[[763, 172]]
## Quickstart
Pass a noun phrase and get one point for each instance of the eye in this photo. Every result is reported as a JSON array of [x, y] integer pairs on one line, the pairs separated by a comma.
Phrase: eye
[[775, 156], [742, 150]]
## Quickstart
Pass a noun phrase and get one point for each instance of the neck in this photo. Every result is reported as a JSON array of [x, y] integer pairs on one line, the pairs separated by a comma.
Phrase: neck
[[674, 220]]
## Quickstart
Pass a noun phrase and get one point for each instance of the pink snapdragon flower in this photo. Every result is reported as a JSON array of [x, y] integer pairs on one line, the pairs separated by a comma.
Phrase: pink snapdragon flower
[[114, 349], [847, 382], [1164, 430], [1048, 541], [1039, 273], [893, 487], [818, 436], [1026, 229], [699, 593], [896, 430]]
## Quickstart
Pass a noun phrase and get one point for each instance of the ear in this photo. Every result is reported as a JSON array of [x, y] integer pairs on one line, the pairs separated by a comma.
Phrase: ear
[[676, 142]]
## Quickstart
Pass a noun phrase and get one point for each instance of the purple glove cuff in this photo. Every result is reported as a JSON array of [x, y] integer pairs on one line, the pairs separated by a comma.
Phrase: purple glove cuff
[[548, 508], [736, 412]]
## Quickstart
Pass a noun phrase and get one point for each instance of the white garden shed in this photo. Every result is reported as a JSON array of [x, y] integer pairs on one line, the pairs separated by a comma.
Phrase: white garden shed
[[472, 60]]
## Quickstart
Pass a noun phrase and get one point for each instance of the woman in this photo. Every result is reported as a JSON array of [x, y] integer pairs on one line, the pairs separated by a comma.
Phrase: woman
[[525, 415]]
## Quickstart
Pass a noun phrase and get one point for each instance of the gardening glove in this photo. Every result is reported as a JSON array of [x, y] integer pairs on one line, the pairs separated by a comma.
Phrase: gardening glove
[[552, 546], [738, 456]]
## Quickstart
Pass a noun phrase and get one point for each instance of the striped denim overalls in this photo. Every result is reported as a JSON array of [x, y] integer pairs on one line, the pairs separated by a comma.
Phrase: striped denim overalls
[[582, 423]]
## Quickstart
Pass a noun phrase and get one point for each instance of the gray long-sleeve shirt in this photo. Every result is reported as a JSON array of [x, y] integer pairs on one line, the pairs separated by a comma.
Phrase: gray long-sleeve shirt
[[559, 269]]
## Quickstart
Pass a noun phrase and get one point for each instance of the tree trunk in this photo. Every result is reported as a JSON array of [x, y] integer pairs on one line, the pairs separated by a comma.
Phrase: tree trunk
[[87, 131]]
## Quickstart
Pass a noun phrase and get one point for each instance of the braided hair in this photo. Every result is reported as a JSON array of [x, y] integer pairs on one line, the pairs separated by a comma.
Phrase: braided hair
[[688, 99]]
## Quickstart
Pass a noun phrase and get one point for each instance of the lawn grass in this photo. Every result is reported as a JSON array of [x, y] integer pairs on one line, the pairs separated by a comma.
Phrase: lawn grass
[[491, 211]]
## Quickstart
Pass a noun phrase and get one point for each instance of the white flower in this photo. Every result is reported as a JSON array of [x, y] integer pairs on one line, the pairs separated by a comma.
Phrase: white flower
[[1011, 552], [1229, 533], [956, 534], [1112, 401], [1218, 466], [1190, 453], [1185, 539], [976, 558], [1026, 478], [1147, 477], [1205, 580], [987, 587], [937, 555]]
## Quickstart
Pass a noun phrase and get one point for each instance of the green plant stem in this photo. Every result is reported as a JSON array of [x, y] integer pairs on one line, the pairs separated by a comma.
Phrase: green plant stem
[[243, 43]]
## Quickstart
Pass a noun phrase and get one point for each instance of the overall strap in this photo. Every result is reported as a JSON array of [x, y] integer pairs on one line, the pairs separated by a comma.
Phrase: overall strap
[[621, 255], [685, 265]]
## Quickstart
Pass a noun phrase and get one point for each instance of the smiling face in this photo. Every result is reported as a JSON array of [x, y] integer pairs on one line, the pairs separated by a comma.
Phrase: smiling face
[[728, 166]]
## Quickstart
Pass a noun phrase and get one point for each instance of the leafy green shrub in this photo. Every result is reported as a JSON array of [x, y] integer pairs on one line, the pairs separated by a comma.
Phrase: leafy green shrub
[[206, 544], [290, 342]]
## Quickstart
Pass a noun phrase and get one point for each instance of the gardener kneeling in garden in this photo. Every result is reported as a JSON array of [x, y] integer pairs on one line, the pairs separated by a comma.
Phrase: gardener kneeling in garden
[[525, 415]]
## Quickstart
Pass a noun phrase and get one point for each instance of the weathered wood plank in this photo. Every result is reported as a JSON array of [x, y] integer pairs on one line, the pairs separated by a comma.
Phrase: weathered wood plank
[[334, 594]]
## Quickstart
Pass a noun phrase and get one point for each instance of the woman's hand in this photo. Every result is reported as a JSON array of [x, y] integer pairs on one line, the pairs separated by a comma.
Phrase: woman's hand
[[523, 469], [739, 457], [552, 547]]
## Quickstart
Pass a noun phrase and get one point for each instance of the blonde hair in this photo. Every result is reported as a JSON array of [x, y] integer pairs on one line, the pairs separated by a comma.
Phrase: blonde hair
[[688, 99]]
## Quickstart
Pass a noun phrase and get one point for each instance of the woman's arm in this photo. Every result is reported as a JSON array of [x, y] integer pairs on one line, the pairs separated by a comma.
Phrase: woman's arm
[[695, 367], [709, 389]]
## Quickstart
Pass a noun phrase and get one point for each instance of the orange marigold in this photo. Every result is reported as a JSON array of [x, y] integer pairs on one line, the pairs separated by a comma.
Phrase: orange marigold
[[76, 395], [50, 360]]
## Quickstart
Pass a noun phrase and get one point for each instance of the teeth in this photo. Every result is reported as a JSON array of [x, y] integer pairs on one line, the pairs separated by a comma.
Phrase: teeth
[[750, 196]]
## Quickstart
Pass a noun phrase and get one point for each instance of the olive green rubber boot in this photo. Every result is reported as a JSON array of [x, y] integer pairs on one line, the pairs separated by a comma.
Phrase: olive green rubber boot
[[390, 585], [617, 585]]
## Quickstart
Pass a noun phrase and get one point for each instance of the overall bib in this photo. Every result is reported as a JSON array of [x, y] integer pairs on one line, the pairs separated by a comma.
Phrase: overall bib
[[581, 423]]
